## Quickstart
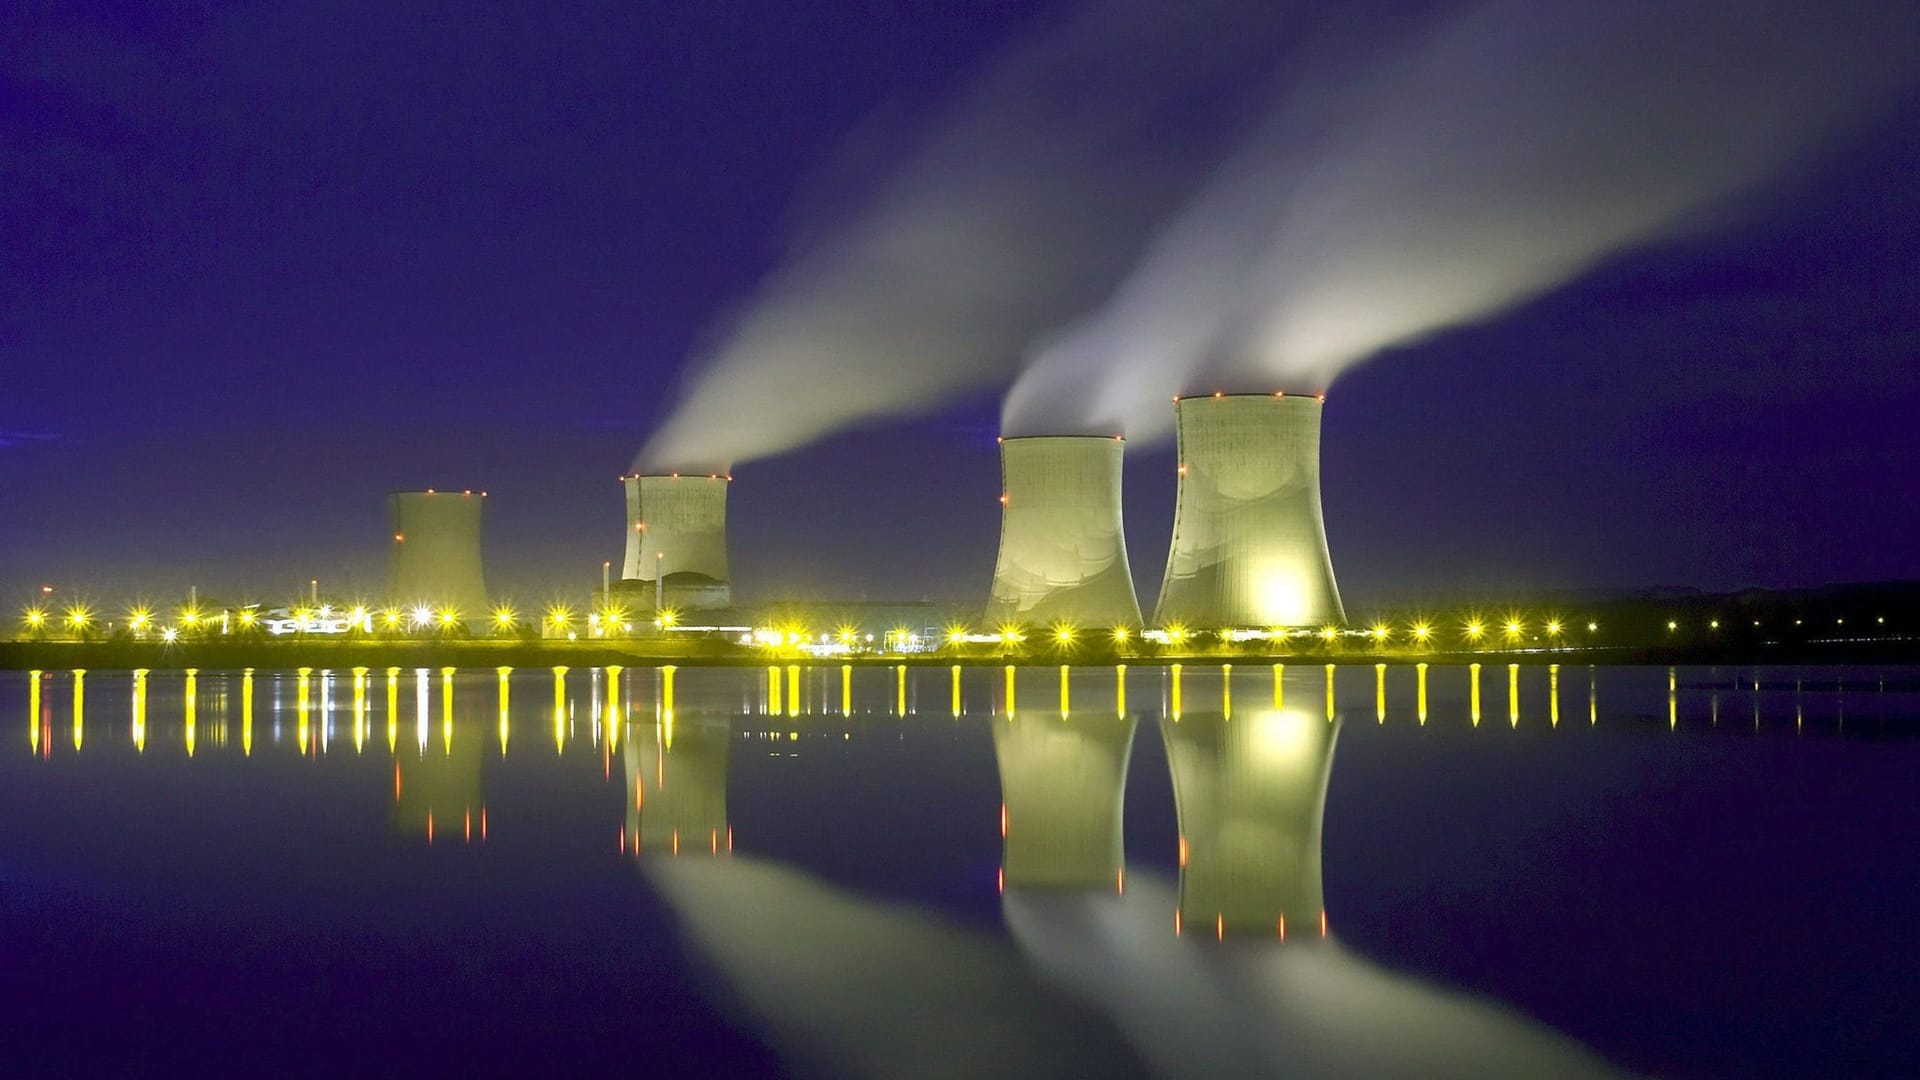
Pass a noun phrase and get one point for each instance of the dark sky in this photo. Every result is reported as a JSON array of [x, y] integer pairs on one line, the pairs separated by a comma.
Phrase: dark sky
[[261, 264]]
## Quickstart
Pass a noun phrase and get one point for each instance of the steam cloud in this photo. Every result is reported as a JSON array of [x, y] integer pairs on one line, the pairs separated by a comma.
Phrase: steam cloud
[[1502, 151], [1022, 210]]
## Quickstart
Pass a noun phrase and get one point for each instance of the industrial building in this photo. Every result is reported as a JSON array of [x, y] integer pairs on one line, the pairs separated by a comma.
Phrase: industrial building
[[1249, 544], [1063, 553], [676, 542], [435, 561]]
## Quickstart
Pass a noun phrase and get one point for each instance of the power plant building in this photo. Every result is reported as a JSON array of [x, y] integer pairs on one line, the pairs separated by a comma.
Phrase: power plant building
[[677, 541], [1249, 543], [1063, 554], [435, 561]]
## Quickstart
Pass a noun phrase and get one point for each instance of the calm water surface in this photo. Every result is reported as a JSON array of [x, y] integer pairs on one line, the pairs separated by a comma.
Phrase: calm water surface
[[1701, 872]]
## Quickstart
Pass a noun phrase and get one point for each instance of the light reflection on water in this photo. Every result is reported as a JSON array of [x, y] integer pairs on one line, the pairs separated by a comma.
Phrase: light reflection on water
[[1222, 957]]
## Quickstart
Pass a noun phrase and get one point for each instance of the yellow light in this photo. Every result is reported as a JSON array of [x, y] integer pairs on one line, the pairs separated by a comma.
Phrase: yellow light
[[668, 617], [448, 616], [1475, 629], [1063, 634], [1120, 635], [79, 616], [1010, 633], [1672, 626], [139, 619], [391, 617], [956, 635], [1379, 632], [1421, 631], [1592, 626], [250, 616], [36, 618], [503, 617], [1513, 627], [1553, 628], [189, 616], [1176, 632], [358, 616], [1328, 633]]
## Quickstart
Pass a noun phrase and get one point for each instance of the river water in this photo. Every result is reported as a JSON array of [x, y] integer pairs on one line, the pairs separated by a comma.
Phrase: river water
[[875, 872]]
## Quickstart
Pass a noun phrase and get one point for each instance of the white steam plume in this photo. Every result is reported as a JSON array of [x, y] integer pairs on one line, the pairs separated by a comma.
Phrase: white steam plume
[[1023, 208], [1509, 148]]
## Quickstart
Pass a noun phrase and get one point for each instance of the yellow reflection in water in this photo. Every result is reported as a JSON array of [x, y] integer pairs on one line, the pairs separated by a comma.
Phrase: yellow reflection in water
[[956, 691], [393, 709], [446, 709], [303, 730], [793, 689], [246, 712], [506, 695], [1473, 695], [666, 706], [1421, 704], [1673, 700], [79, 707], [900, 690], [1226, 691], [846, 690], [1010, 705], [33, 709], [140, 710], [1279, 687], [1593, 697], [1513, 694], [1553, 694], [193, 707], [616, 708], [773, 691], [1380, 692], [422, 707], [1176, 693], [1119, 690], [559, 709], [359, 709], [1064, 697], [1330, 709]]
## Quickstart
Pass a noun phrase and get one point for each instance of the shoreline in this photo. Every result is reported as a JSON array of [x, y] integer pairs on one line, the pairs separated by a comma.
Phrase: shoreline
[[216, 656]]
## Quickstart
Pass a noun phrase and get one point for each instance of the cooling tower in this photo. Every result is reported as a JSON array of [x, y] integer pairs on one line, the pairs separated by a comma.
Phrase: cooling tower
[[1063, 556], [436, 552], [677, 530], [1249, 546]]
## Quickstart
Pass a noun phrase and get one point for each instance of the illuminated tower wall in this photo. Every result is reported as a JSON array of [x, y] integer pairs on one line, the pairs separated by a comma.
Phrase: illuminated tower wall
[[1249, 544], [435, 557], [1250, 794], [1063, 554], [677, 528]]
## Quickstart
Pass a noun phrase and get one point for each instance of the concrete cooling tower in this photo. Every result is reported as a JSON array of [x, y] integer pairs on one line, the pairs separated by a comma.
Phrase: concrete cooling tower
[[1249, 545], [677, 541], [1063, 556], [436, 552]]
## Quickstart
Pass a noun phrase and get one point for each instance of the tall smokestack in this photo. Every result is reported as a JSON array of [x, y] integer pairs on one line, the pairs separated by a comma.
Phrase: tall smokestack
[[435, 560], [1249, 544], [677, 540], [1063, 554]]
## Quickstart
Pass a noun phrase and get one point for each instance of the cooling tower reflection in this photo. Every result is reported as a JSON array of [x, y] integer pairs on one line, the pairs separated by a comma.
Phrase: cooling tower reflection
[[1249, 794], [676, 785], [1062, 780]]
